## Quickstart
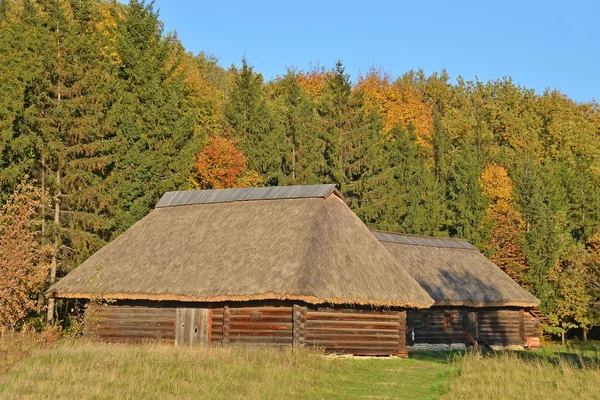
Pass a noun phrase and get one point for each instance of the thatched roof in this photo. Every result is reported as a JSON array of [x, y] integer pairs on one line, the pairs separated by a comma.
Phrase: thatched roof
[[297, 243], [455, 273]]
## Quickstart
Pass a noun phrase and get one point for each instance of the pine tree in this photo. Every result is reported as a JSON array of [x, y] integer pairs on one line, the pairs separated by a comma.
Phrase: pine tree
[[466, 199], [405, 197], [251, 120], [352, 136], [302, 152], [155, 141]]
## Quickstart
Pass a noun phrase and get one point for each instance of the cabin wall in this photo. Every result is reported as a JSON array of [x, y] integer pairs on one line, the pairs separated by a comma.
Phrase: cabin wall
[[131, 323], [443, 328], [361, 331], [356, 332], [436, 328]]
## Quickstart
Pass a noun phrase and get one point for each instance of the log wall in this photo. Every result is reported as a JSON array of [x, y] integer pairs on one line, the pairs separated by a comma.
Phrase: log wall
[[265, 326], [131, 323], [356, 332], [428, 326], [495, 326], [336, 330]]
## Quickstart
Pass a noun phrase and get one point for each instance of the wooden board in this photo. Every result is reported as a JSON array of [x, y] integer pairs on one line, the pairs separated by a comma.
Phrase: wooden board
[[192, 327]]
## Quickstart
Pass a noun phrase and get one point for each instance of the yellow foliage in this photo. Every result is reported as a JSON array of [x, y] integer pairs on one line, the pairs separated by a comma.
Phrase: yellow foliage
[[314, 81], [496, 183], [400, 105]]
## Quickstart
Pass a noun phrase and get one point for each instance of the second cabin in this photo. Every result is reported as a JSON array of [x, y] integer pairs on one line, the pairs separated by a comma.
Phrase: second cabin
[[476, 303]]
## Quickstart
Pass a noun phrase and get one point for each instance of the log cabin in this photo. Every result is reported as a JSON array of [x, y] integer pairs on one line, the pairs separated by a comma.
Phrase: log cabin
[[476, 303], [277, 266]]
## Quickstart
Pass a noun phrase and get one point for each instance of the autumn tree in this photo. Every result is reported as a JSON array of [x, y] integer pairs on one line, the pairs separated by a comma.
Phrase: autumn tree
[[400, 103], [314, 81], [569, 302], [221, 165], [507, 225], [23, 260]]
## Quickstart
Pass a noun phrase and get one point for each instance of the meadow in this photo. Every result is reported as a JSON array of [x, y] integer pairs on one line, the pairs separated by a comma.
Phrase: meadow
[[42, 367]]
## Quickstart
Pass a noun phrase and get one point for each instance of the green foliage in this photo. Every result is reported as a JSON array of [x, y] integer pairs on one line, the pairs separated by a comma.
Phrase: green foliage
[[404, 176], [251, 119], [302, 150], [351, 134]]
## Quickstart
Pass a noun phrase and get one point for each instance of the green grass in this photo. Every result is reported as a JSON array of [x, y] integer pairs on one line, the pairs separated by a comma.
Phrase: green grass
[[87, 370]]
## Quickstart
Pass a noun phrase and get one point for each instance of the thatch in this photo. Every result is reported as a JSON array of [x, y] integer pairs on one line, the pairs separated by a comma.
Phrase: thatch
[[311, 249], [455, 273]]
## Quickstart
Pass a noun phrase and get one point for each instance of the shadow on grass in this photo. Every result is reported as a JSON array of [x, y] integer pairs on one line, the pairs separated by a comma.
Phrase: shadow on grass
[[440, 357], [579, 355]]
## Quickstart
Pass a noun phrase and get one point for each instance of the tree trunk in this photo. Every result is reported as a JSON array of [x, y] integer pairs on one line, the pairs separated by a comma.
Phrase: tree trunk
[[53, 264], [562, 337], [584, 335]]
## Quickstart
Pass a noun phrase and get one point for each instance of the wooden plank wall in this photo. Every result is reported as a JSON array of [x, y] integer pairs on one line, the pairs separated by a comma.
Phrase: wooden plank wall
[[501, 327], [359, 332], [347, 331], [132, 324], [531, 325], [265, 326], [428, 326]]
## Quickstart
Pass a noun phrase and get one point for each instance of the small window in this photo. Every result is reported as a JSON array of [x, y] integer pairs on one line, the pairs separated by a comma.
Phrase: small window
[[448, 320], [425, 321]]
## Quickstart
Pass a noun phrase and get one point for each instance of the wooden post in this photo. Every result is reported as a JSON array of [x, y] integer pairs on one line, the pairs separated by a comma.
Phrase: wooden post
[[402, 352], [522, 326], [226, 317], [299, 325]]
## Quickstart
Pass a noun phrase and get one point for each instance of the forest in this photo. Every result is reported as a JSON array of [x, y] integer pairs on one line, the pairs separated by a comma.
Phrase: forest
[[102, 111]]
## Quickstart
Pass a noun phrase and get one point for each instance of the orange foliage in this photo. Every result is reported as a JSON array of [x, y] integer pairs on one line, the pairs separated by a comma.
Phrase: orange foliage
[[23, 266], [400, 105], [508, 225], [221, 165], [314, 81]]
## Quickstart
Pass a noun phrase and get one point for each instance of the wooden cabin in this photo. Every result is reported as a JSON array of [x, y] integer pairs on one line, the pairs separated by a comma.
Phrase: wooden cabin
[[278, 266], [476, 303]]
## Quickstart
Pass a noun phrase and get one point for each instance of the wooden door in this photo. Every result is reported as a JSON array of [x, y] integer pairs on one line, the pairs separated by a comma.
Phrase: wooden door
[[192, 327]]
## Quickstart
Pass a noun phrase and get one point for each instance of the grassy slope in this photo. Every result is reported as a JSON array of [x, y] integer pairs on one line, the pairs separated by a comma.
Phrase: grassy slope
[[78, 369]]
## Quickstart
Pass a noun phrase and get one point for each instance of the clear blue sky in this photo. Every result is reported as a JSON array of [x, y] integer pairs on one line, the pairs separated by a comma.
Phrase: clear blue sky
[[538, 43]]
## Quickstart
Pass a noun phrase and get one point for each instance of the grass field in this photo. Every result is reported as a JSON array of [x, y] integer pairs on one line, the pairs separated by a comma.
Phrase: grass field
[[81, 369]]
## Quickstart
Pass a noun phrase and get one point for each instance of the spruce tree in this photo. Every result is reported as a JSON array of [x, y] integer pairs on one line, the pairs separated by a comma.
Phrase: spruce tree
[[352, 136], [302, 150], [405, 196], [251, 120], [155, 143]]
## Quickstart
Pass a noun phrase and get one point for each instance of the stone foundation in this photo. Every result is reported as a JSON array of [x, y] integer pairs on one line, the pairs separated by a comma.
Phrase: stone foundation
[[436, 347]]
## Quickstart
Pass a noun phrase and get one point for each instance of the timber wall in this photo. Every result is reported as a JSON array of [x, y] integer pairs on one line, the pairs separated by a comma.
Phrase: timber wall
[[494, 326], [361, 331], [131, 323]]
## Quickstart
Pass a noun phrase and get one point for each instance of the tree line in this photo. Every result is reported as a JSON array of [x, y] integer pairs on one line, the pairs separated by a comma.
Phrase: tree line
[[104, 111]]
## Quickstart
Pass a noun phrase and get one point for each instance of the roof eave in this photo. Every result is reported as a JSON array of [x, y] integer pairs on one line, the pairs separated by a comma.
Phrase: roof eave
[[236, 298]]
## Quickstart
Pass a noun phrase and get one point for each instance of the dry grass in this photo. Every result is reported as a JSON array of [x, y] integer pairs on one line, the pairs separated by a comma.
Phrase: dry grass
[[85, 370], [35, 368], [525, 376], [18, 345]]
